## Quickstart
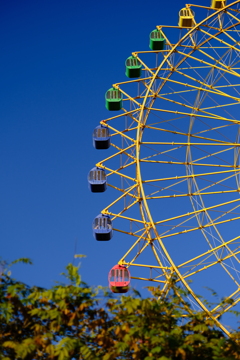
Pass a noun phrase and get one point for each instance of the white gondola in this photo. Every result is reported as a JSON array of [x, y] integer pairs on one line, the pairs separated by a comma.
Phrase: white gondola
[[97, 180]]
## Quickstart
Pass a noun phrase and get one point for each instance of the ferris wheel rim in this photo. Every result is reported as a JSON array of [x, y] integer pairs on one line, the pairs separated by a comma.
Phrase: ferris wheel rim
[[139, 137]]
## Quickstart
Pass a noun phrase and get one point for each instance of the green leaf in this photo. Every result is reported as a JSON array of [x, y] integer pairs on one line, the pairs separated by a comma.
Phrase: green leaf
[[10, 344], [200, 328], [21, 260], [157, 349], [106, 357]]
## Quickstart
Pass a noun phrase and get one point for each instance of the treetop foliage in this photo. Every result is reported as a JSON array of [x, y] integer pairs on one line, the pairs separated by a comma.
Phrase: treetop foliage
[[74, 321]]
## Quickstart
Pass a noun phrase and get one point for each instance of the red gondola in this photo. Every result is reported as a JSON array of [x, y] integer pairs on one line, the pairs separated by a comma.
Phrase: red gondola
[[119, 279]]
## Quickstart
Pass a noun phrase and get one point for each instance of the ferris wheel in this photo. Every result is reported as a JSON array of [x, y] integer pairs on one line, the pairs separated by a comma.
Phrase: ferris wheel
[[172, 163]]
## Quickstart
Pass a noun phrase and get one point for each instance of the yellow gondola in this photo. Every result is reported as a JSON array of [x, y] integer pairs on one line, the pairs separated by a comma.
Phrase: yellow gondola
[[218, 4], [186, 18]]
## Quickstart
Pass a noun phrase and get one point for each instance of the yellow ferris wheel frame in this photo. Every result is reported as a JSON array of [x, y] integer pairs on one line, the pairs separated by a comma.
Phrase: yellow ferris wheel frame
[[213, 29]]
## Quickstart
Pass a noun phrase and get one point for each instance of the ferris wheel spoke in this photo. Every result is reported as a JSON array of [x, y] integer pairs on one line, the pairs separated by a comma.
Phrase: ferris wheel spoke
[[225, 306]]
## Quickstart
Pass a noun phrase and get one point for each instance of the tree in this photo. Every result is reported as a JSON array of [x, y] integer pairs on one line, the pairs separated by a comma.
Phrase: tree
[[75, 321]]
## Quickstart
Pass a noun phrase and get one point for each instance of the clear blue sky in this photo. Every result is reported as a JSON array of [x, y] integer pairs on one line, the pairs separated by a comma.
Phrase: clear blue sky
[[58, 58]]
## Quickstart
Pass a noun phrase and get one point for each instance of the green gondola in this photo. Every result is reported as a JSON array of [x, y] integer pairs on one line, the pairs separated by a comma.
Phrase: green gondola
[[133, 67], [157, 41], [113, 99]]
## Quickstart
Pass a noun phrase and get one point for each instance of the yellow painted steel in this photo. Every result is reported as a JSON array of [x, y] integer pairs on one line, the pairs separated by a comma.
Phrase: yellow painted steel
[[174, 167]]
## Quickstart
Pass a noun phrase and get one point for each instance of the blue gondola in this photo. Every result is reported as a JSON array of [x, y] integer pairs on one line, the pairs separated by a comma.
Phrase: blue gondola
[[101, 137], [97, 180], [102, 228]]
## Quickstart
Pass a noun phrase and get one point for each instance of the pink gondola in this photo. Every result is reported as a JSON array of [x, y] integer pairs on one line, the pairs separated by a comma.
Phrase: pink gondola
[[119, 279]]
